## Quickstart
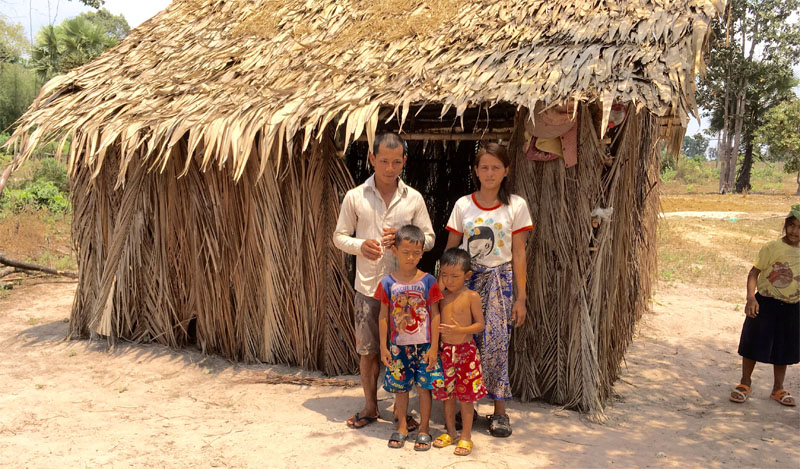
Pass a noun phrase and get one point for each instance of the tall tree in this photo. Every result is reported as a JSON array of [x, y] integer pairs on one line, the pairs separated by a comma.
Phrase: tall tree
[[76, 41], [18, 85], [695, 147], [778, 139], [115, 26], [753, 39]]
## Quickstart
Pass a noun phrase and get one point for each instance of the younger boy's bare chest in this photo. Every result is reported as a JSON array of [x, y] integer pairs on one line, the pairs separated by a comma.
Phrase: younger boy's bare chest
[[456, 309]]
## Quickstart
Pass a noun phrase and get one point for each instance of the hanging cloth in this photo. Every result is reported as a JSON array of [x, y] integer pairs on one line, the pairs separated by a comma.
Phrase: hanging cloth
[[553, 134]]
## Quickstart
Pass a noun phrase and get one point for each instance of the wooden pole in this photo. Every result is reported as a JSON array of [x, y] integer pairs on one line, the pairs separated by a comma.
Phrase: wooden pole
[[450, 136]]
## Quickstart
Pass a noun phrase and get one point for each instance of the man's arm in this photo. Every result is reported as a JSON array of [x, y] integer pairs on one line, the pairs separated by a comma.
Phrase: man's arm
[[423, 221], [346, 227]]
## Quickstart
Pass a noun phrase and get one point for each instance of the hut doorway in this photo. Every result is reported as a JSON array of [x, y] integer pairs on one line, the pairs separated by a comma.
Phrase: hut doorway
[[439, 170], [441, 150]]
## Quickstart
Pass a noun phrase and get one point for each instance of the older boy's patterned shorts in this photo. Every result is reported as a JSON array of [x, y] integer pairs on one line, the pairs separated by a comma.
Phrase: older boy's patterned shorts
[[461, 367], [409, 367]]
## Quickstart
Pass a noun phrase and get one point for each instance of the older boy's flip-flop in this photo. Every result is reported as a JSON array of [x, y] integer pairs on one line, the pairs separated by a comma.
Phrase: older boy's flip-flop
[[740, 393], [783, 396], [397, 440], [360, 421], [423, 442]]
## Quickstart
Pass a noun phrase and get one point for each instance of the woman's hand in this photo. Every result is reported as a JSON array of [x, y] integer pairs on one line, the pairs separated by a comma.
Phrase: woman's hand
[[751, 308], [518, 312]]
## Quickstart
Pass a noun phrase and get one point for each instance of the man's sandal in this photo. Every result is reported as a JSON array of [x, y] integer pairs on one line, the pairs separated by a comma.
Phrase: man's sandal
[[500, 426], [783, 396], [740, 393], [360, 421], [443, 440], [423, 442], [397, 440], [411, 424], [463, 448]]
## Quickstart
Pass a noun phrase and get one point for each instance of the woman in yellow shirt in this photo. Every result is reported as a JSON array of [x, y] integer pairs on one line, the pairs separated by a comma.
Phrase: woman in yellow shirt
[[771, 330]]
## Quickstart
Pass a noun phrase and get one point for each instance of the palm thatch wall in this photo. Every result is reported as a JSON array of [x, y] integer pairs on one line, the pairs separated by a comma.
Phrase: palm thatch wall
[[206, 165]]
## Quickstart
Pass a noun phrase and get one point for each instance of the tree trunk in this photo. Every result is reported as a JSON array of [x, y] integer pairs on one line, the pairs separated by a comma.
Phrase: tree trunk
[[738, 119], [743, 179], [798, 183]]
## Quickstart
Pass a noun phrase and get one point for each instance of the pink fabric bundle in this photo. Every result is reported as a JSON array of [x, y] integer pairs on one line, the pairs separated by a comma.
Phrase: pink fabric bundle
[[554, 134]]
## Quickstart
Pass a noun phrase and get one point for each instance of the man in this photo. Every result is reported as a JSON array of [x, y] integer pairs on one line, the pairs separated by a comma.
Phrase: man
[[368, 220]]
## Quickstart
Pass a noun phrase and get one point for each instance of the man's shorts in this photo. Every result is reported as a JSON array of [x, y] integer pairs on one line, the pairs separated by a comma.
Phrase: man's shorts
[[366, 313], [461, 366], [409, 368]]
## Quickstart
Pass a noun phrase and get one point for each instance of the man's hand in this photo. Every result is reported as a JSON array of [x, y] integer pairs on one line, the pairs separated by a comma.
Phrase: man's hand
[[387, 239], [386, 357], [518, 312], [371, 249], [751, 308]]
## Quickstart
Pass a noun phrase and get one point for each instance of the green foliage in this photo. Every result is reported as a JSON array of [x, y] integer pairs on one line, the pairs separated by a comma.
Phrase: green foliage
[[54, 172], [38, 195], [18, 88], [695, 147], [93, 3], [75, 42], [115, 26], [39, 184], [13, 43], [692, 171], [778, 139]]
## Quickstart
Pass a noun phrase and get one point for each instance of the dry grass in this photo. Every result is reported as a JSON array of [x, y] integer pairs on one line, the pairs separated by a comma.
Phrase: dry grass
[[715, 254]]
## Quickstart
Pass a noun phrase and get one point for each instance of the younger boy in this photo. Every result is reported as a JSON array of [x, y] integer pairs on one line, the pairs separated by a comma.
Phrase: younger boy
[[462, 316], [409, 310]]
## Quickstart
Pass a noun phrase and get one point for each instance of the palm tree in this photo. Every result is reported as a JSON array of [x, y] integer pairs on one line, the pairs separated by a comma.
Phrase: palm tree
[[74, 42]]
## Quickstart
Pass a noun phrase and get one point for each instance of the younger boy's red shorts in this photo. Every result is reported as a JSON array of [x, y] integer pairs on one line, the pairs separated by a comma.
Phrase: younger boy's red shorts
[[461, 367]]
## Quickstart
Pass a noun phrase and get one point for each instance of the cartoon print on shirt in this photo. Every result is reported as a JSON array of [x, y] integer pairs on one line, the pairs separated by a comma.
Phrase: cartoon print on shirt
[[410, 311], [781, 275], [480, 242]]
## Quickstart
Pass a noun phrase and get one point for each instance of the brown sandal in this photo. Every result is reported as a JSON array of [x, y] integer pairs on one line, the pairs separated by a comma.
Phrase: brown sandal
[[783, 397]]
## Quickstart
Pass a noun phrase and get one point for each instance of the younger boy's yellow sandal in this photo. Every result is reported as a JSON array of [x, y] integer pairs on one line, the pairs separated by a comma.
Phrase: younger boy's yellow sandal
[[443, 440], [463, 448]]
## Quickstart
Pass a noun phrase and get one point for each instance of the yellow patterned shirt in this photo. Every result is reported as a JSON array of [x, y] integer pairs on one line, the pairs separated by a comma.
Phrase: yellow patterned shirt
[[779, 264]]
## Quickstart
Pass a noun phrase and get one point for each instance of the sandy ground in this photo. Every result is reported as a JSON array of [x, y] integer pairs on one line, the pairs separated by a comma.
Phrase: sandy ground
[[77, 403]]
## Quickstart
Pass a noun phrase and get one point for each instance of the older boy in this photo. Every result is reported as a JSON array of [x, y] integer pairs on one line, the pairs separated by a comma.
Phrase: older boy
[[368, 220], [410, 312]]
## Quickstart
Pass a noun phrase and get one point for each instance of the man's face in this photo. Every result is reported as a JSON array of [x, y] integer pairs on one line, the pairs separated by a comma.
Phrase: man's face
[[388, 163]]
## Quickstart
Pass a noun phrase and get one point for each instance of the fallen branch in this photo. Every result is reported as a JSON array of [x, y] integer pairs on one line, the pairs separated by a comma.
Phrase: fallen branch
[[37, 268], [7, 271]]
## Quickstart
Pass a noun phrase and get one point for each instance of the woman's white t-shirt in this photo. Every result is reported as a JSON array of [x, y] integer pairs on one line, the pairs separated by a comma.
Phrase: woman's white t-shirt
[[487, 231]]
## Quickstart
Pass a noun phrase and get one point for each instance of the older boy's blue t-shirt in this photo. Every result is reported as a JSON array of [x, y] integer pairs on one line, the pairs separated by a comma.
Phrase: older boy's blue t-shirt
[[409, 308]]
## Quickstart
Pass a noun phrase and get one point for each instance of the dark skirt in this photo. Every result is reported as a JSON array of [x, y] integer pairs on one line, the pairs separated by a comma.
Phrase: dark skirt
[[773, 336]]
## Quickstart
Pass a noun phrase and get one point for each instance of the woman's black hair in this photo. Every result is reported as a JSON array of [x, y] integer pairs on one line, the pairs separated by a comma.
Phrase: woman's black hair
[[499, 152]]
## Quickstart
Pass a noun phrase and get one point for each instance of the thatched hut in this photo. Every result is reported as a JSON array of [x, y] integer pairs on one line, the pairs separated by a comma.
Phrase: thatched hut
[[209, 151]]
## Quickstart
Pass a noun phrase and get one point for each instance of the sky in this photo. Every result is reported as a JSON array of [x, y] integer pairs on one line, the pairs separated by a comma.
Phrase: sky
[[33, 14]]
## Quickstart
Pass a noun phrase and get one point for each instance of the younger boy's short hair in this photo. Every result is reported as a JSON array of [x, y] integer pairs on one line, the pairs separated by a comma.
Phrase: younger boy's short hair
[[410, 233], [457, 257]]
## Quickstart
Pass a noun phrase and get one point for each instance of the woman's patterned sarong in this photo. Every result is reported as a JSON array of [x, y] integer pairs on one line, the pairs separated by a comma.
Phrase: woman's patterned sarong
[[496, 287]]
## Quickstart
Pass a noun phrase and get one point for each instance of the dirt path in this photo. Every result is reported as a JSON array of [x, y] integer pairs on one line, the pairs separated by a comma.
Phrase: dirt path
[[80, 404]]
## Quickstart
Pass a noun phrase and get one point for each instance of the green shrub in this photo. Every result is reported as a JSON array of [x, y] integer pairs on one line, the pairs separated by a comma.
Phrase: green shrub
[[767, 174], [691, 171], [50, 170], [38, 195], [668, 175]]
